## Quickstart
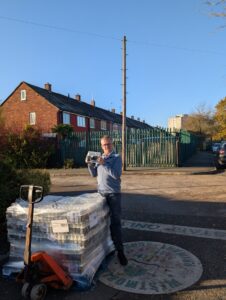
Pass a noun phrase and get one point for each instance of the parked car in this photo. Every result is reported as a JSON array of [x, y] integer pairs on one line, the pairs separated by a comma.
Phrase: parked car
[[216, 147], [221, 158]]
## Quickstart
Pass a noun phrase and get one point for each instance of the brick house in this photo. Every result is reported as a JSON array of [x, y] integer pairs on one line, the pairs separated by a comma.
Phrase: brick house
[[43, 109]]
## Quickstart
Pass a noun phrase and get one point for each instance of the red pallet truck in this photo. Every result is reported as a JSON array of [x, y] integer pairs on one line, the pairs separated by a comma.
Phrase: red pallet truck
[[40, 269]]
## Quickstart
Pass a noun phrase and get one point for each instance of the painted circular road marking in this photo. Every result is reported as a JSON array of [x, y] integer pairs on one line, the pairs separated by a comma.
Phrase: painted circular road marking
[[153, 268]]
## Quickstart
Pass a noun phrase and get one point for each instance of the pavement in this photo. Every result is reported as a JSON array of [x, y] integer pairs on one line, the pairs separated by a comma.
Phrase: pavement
[[186, 211], [200, 162]]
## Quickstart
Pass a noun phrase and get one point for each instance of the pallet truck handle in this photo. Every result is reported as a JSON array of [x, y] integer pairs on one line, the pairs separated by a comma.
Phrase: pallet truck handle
[[31, 193]]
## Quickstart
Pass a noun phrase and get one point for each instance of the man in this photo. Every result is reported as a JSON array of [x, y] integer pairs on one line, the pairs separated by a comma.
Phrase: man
[[108, 171]]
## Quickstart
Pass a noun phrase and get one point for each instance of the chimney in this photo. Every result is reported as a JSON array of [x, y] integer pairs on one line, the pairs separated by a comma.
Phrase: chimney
[[143, 121], [113, 110], [92, 102], [78, 97], [132, 117], [48, 87], [138, 119]]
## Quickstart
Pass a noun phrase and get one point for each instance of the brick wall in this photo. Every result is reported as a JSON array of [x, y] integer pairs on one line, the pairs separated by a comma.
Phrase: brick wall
[[16, 112]]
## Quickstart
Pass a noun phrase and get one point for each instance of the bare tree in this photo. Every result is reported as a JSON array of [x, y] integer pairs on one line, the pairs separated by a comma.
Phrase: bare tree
[[217, 8], [201, 121]]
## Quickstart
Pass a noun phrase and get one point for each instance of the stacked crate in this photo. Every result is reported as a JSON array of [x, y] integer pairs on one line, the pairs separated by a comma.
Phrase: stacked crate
[[73, 230]]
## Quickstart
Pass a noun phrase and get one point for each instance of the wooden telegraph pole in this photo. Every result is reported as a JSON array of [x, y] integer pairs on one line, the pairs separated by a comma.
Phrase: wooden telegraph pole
[[124, 104]]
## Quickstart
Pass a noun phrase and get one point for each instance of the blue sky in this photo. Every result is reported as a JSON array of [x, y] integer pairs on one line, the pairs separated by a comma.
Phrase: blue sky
[[175, 52]]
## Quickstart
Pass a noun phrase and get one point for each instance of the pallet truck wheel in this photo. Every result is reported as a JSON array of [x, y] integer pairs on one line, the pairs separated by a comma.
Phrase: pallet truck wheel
[[25, 292], [38, 292]]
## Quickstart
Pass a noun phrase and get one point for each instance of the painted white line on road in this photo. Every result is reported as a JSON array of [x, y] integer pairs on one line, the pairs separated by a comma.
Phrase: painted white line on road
[[176, 229]]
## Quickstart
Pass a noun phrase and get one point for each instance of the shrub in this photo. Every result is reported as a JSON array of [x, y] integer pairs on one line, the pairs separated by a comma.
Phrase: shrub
[[63, 130], [10, 183], [3, 134], [9, 191], [68, 163], [9, 187], [35, 177], [12, 179], [28, 149]]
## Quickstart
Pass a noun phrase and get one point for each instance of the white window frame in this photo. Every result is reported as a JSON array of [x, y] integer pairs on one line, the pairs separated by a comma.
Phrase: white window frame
[[81, 121], [23, 95], [103, 125], [66, 118], [115, 127], [32, 118], [92, 123]]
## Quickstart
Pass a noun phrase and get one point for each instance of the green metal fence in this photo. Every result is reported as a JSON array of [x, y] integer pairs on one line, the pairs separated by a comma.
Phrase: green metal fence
[[187, 145], [73, 147], [151, 148], [156, 147]]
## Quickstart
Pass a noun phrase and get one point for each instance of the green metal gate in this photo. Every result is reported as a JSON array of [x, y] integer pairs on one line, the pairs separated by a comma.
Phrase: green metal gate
[[151, 148]]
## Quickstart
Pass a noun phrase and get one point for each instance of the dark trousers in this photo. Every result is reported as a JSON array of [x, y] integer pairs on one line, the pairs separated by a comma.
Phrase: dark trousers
[[114, 203]]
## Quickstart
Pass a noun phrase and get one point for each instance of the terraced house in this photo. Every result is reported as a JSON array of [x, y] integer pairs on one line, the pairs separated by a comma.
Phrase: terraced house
[[42, 108]]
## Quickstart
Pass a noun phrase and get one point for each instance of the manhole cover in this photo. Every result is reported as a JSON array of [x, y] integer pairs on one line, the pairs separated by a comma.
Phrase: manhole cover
[[153, 268]]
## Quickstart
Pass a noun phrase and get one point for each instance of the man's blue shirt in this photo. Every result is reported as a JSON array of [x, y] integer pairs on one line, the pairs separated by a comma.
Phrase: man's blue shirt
[[108, 174]]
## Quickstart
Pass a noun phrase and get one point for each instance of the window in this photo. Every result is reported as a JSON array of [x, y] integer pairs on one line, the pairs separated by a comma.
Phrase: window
[[115, 127], [103, 125], [32, 118], [23, 95], [66, 118], [81, 121], [92, 123]]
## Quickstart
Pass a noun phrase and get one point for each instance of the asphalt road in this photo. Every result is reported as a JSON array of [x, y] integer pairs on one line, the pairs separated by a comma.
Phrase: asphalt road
[[184, 200]]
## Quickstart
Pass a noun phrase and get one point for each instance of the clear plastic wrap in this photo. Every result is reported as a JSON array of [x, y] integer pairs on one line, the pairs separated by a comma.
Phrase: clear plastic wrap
[[73, 230]]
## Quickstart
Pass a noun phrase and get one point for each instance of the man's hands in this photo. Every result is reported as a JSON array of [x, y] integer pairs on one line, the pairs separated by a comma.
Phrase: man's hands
[[100, 160]]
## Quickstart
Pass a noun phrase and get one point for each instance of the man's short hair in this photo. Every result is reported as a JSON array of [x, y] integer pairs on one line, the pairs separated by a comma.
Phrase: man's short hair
[[106, 137]]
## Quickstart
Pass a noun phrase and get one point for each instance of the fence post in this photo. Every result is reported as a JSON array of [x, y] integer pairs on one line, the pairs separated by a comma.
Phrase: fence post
[[178, 161], [87, 141]]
